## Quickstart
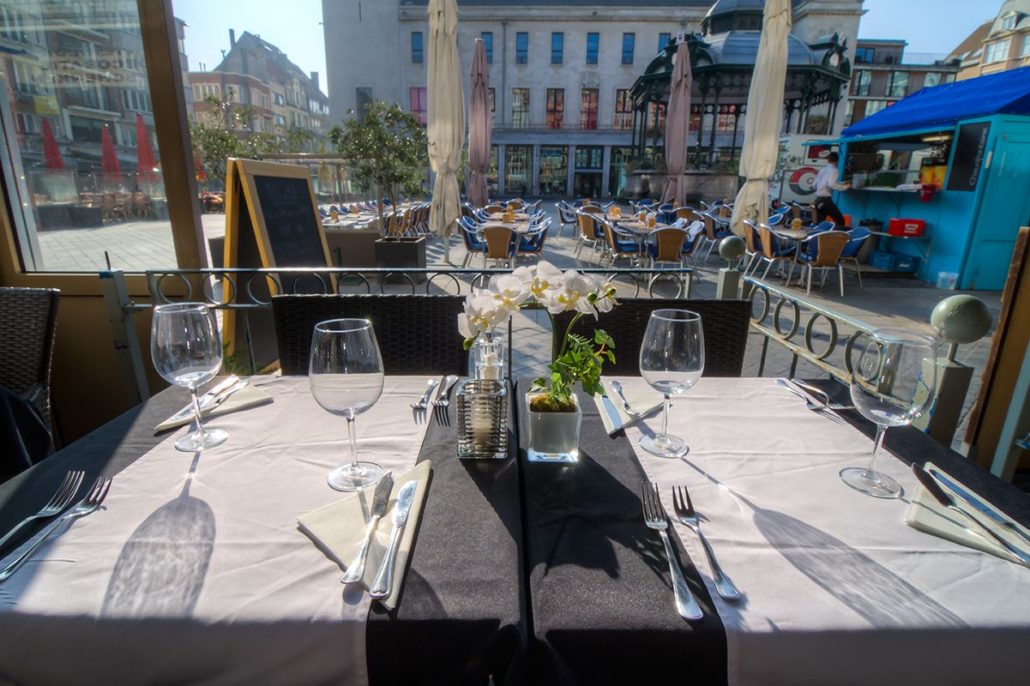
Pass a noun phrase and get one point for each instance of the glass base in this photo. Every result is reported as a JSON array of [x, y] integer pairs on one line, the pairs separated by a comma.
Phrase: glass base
[[355, 476], [198, 440], [664, 445], [871, 483], [562, 457]]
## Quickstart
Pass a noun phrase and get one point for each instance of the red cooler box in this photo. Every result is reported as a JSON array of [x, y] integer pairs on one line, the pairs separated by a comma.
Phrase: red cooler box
[[906, 227]]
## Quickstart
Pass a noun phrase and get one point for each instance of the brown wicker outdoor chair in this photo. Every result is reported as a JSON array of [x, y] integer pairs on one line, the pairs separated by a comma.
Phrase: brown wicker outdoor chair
[[417, 334], [500, 244], [28, 324]]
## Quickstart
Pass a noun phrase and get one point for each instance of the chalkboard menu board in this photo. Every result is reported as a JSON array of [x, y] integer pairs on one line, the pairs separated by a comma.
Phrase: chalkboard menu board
[[294, 230], [970, 147]]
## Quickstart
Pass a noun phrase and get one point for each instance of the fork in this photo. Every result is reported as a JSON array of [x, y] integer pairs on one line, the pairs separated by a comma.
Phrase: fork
[[687, 515], [654, 517], [85, 506], [60, 500], [442, 403], [418, 410], [813, 406]]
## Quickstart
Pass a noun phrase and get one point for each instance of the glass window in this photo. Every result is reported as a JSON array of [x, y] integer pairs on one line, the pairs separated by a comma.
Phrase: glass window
[[932, 78], [488, 44], [628, 44], [557, 47], [593, 45], [1009, 21], [554, 169], [555, 107], [1025, 50], [865, 55], [521, 48], [655, 118], [588, 108], [997, 52], [520, 108], [81, 189], [623, 110], [589, 157], [517, 164], [663, 40], [897, 84], [617, 172], [874, 106], [416, 47], [418, 101], [491, 95], [863, 80]]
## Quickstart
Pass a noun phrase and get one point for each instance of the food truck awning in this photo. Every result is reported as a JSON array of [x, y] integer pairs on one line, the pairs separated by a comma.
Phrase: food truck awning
[[1006, 92]]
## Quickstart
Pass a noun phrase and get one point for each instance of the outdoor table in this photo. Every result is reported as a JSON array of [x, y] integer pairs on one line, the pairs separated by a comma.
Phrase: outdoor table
[[517, 226], [282, 619], [836, 587], [500, 216]]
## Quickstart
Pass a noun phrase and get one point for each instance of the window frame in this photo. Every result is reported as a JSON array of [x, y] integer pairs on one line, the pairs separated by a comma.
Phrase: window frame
[[997, 51], [522, 47], [589, 108], [664, 44], [593, 48], [488, 45], [629, 45], [554, 108], [557, 47], [521, 121], [896, 79], [622, 120], [863, 82], [418, 47]]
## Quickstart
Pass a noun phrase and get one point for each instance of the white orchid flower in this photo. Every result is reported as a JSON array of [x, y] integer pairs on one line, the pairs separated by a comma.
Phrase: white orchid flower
[[508, 292]]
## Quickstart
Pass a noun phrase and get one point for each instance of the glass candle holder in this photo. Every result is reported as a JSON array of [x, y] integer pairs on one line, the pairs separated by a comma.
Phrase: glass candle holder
[[482, 406]]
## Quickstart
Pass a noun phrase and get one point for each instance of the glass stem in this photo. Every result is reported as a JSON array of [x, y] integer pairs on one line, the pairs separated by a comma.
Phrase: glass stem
[[880, 431], [196, 410], [353, 443], [665, 417]]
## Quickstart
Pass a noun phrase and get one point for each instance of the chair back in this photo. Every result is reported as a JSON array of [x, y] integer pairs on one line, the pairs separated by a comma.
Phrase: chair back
[[751, 236], [724, 322], [587, 225], [668, 244], [492, 209], [417, 334], [514, 204], [591, 209], [858, 237], [499, 241], [685, 213], [822, 226], [829, 246], [28, 324]]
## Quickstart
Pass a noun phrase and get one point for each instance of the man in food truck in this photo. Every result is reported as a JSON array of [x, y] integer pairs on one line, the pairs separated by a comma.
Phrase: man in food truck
[[825, 184]]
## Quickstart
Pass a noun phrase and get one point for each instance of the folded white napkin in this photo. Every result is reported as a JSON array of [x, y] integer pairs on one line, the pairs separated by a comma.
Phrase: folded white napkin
[[337, 529], [243, 399], [928, 515], [643, 401]]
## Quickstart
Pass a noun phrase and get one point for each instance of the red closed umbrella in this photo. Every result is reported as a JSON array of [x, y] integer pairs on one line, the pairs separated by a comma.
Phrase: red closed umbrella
[[480, 122], [51, 153], [108, 158], [146, 165], [677, 128]]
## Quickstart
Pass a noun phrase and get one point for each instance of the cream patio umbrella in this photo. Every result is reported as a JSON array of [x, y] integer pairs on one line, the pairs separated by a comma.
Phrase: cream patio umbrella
[[446, 127], [764, 118], [677, 128], [480, 123]]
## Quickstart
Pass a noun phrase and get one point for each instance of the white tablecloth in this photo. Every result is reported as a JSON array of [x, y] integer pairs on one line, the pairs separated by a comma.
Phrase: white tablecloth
[[206, 579], [837, 588]]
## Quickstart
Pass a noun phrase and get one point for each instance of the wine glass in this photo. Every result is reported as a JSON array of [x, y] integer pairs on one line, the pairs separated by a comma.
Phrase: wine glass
[[892, 383], [187, 351], [672, 358], [346, 375]]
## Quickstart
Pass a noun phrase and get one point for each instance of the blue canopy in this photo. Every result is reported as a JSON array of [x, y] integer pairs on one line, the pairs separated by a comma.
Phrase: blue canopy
[[1006, 92]]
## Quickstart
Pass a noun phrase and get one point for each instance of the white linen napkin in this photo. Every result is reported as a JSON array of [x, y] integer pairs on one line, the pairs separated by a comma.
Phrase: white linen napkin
[[643, 402], [929, 516], [242, 399], [337, 529]]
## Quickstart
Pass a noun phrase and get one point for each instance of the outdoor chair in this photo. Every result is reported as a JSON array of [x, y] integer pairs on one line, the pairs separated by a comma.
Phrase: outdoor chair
[[588, 232], [724, 322], [566, 216], [620, 244], [753, 240], [515, 204], [772, 250], [685, 213], [28, 324], [532, 242], [858, 237], [715, 230], [474, 243], [670, 248], [492, 209], [821, 227], [821, 251], [417, 334], [500, 244]]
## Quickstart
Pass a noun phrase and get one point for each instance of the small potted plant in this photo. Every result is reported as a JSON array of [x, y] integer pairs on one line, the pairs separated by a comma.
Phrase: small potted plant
[[554, 415]]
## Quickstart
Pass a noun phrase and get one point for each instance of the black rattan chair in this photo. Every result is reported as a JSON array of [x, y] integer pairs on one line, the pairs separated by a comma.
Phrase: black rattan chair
[[28, 323], [725, 324], [417, 334]]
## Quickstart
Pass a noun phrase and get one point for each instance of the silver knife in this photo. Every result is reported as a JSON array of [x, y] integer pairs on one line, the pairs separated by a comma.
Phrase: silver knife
[[613, 414], [380, 499], [979, 504], [206, 399], [383, 583]]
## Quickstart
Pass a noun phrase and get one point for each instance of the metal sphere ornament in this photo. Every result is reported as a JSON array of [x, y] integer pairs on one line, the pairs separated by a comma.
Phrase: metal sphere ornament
[[961, 319], [732, 248]]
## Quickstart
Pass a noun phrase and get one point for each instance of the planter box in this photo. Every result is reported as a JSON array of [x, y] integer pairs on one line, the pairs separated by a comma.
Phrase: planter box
[[402, 253]]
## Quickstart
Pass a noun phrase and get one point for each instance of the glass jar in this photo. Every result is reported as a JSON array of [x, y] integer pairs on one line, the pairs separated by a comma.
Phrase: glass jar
[[486, 357], [482, 406]]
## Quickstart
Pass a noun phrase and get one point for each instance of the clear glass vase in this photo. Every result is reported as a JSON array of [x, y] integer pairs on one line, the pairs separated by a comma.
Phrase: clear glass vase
[[486, 357]]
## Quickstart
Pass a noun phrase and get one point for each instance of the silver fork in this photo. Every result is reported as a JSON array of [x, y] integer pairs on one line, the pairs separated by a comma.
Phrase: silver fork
[[60, 500], [687, 515], [442, 403], [813, 406], [654, 517], [418, 410], [85, 506]]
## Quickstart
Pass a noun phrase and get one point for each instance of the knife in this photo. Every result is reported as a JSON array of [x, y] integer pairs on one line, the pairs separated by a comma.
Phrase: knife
[[379, 501], [613, 414], [979, 504], [206, 399], [941, 496], [383, 583]]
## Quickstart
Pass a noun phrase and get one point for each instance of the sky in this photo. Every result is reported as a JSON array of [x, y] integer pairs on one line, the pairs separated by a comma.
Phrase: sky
[[929, 26]]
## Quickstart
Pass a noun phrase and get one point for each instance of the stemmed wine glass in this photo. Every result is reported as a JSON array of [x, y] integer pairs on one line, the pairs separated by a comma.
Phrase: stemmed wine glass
[[672, 358], [187, 351], [346, 375], [892, 383]]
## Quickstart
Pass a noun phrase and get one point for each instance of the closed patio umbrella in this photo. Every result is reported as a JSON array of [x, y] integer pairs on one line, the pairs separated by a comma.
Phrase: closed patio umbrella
[[108, 157], [446, 129], [480, 123], [677, 128], [764, 117], [145, 161], [51, 152]]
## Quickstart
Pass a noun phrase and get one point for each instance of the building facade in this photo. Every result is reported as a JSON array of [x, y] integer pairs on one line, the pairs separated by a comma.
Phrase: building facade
[[997, 45], [882, 76], [279, 96], [561, 73]]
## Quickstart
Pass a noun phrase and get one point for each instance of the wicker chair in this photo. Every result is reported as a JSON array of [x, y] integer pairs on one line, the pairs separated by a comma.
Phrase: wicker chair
[[501, 243], [725, 324], [28, 323], [417, 334]]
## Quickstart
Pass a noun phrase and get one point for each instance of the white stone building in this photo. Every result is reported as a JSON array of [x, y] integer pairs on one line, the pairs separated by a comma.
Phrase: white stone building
[[561, 72]]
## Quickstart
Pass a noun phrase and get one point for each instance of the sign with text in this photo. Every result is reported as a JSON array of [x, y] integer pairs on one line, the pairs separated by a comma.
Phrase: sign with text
[[970, 148]]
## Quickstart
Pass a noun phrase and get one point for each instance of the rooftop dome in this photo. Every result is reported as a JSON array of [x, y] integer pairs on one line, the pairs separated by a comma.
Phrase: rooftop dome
[[741, 47]]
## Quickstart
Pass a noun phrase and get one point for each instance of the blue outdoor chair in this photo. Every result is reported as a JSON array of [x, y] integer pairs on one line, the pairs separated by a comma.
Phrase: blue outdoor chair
[[474, 243], [850, 253]]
